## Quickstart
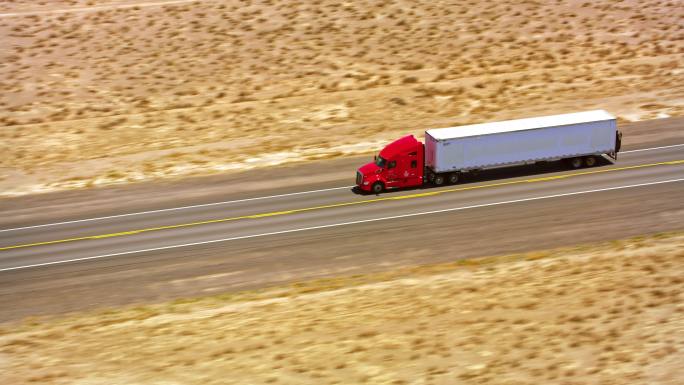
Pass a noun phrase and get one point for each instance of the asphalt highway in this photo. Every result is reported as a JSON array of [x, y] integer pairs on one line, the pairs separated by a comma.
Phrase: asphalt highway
[[96, 238], [269, 238]]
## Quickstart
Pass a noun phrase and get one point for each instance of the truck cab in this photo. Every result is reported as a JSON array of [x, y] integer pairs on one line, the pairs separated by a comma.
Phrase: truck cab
[[399, 164]]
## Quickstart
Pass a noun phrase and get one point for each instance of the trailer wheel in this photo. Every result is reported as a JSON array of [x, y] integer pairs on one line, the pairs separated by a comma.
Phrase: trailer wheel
[[576, 162], [590, 161], [439, 180], [377, 188], [453, 178]]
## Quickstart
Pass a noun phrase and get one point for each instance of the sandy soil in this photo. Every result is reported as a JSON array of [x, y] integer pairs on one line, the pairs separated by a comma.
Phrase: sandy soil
[[604, 314], [98, 92]]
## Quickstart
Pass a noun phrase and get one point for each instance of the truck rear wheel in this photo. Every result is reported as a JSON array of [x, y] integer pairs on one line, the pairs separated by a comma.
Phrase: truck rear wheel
[[453, 178], [439, 180], [590, 161], [377, 188]]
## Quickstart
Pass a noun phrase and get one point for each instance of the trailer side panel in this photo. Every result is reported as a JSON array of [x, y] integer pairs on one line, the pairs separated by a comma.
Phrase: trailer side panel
[[514, 147]]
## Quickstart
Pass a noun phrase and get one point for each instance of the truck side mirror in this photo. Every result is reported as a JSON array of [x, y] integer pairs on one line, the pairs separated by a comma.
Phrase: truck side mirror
[[375, 158]]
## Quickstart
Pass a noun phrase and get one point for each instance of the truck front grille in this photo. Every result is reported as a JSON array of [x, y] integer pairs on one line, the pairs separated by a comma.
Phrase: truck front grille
[[359, 178]]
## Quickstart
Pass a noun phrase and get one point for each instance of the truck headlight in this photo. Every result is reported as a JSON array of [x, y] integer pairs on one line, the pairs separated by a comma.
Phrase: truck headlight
[[366, 183]]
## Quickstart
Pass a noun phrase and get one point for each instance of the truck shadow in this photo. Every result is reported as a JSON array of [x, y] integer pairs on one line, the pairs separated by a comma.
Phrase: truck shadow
[[540, 168]]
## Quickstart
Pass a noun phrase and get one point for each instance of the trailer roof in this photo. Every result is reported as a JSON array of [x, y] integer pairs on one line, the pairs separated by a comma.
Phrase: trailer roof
[[519, 124]]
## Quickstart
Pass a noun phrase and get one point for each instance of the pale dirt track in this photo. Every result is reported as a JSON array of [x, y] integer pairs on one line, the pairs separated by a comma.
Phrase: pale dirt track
[[605, 314], [152, 92], [30, 8]]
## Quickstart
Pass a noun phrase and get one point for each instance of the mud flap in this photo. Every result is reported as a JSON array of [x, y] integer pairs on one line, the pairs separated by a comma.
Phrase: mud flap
[[618, 145], [618, 141]]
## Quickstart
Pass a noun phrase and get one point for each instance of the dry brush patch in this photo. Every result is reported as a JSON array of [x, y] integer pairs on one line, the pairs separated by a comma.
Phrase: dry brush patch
[[609, 313], [291, 80]]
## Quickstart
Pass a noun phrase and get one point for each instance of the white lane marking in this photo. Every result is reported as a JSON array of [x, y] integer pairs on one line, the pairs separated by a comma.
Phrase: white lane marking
[[177, 208], [236, 201], [652, 148], [104, 7], [340, 224]]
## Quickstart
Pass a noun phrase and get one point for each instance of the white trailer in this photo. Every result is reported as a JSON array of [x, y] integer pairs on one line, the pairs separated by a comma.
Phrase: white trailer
[[578, 137]]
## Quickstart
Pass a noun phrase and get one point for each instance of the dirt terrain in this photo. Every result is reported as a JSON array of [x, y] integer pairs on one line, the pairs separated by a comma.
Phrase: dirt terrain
[[611, 313], [100, 92]]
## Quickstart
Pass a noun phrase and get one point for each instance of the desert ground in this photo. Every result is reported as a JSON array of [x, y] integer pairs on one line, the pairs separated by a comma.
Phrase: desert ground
[[99, 92], [610, 313]]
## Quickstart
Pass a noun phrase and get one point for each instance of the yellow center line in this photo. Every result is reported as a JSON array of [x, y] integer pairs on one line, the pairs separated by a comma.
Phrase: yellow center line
[[294, 211]]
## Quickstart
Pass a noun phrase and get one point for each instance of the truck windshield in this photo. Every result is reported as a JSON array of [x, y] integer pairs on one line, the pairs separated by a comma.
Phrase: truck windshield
[[380, 162]]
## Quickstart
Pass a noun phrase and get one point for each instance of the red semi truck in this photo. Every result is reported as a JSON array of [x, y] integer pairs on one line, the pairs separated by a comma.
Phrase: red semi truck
[[449, 153]]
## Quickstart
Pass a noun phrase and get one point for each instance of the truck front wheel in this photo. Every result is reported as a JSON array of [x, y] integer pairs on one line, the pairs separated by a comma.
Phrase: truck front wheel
[[377, 188]]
